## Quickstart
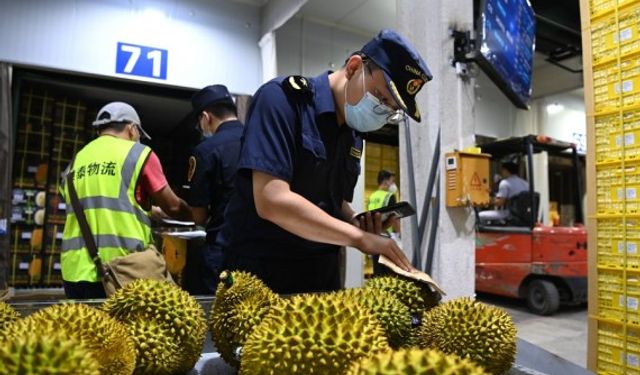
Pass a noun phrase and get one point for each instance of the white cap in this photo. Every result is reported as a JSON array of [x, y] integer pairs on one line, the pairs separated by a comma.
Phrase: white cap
[[119, 112]]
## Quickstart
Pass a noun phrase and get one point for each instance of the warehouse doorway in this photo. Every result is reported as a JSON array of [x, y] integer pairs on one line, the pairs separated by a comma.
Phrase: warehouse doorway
[[52, 113]]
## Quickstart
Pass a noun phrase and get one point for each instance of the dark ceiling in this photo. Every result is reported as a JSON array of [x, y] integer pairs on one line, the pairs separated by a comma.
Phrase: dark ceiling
[[558, 30]]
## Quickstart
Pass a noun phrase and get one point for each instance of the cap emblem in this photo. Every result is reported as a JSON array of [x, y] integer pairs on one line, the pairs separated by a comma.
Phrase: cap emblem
[[414, 85]]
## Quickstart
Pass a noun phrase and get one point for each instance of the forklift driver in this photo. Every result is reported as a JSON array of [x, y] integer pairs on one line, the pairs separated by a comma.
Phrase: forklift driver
[[510, 186]]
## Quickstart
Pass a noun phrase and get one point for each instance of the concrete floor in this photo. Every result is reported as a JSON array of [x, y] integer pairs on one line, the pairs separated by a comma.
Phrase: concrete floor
[[563, 334]]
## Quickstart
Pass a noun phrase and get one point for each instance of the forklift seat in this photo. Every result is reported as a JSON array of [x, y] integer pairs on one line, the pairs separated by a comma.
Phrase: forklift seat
[[520, 209]]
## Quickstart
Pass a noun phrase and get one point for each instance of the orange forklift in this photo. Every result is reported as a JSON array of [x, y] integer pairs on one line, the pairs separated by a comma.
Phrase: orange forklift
[[520, 257]]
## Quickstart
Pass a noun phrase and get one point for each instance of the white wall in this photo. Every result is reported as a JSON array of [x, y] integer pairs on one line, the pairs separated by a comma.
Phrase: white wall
[[213, 41], [568, 120], [495, 115], [309, 48]]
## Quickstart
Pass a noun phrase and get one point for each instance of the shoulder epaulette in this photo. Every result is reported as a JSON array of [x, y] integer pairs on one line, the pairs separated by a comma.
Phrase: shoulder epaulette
[[297, 86]]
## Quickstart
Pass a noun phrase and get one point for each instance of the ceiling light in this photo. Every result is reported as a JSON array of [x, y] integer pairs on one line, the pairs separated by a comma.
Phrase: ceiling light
[[554, 108]]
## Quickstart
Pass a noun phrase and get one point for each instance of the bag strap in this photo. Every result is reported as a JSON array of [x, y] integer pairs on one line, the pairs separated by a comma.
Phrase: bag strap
[[84, 225]]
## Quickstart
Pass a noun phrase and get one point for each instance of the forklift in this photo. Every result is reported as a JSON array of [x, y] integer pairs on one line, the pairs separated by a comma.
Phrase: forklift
[[519, 256]]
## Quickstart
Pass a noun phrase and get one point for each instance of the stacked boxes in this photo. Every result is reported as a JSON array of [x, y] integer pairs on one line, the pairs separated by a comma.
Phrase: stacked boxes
[[377, 156], [611, 34], [51, 129]]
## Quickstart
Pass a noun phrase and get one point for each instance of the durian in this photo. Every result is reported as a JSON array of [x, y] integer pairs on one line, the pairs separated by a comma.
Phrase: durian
[[8, 315], [102, 335], [242, 301], [416, 362], [392, 314], [415, 295], [312, 334], [51, 354], [166, 322], [474, 330], [157, 353]]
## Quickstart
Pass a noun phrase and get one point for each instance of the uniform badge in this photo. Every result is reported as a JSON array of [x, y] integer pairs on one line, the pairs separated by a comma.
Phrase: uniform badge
[[297, 86], [413, 86], [192, 168], [355, 153]]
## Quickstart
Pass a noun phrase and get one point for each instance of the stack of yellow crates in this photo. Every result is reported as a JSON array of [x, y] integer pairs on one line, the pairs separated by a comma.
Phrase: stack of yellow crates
[[611, 58]]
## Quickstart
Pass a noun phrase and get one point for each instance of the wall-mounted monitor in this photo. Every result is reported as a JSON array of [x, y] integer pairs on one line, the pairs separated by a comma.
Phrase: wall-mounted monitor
[[505, 45]]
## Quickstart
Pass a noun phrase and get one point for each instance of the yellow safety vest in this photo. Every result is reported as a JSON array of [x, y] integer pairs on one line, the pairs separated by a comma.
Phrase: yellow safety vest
[[379, 198], [105, 175]]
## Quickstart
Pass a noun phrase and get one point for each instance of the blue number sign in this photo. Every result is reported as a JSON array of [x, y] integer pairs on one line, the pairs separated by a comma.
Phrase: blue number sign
[[141, 61]]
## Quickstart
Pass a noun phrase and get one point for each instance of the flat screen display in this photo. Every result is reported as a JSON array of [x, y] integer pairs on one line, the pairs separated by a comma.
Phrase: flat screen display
[[506, 44]]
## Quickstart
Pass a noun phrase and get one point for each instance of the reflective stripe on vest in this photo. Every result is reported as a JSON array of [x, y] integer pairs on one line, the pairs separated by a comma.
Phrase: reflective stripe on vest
[[104, 240], [121, 204]]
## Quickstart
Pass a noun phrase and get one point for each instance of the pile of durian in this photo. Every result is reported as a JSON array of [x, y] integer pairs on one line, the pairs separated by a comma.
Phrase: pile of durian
[[392, 325], [148, 327]]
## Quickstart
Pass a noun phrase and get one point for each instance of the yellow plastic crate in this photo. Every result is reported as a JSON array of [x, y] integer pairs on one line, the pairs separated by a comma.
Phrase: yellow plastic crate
[[611, 244], [618, 189], [601, 6], [603, 76], [603, 32], [612, 356], [611, 81], [629, 30], [610, 138], [605, 127], [613, 302]]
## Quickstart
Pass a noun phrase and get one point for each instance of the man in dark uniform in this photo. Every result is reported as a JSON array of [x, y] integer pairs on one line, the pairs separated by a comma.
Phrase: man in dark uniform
[[300, 161], [211, 177]]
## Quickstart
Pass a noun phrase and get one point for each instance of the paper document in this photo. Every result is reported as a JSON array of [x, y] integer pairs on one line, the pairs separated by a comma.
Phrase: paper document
[[187, 235], [418, 275], [178, 222]]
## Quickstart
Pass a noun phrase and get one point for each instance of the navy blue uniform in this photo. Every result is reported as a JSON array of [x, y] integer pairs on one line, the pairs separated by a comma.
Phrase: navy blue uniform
[[291, 133], [212, 171]]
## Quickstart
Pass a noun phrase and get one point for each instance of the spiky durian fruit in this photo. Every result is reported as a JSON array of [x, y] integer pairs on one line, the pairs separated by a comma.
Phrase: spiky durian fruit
[[415, 295], [7, 316], [165, 322], [392, 314], [157, 353], [474, 330], [242, 301], [103, 336], [417, 362], [32, 353], [312, 334]]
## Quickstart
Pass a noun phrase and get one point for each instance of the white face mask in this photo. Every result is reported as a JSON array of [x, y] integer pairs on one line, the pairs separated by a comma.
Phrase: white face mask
[[393, 188], [368, 114]]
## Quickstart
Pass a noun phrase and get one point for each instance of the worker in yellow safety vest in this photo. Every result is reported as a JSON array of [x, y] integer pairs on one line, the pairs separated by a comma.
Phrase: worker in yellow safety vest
[[384, 196], [117, 178]]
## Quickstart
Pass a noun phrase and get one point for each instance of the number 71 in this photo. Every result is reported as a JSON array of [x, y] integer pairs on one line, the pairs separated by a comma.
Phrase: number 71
[[155, 55]]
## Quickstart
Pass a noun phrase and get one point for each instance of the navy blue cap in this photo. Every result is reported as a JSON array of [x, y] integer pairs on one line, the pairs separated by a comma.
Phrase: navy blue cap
[[209, 95], [404, 70]]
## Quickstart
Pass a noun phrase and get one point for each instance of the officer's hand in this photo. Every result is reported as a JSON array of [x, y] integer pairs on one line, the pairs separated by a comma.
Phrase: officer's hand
[[374, 224], [374, 244], [157, 214]]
